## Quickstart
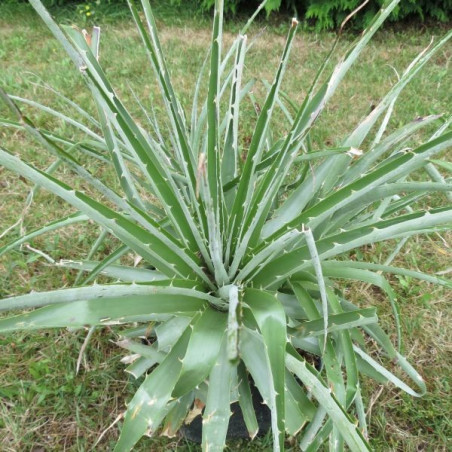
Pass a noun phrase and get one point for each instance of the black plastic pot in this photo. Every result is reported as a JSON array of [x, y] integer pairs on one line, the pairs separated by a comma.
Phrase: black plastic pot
[[237, 428]]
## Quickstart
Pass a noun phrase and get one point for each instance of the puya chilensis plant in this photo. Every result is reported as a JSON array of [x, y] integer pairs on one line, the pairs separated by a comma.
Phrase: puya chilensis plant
[[240, 285]]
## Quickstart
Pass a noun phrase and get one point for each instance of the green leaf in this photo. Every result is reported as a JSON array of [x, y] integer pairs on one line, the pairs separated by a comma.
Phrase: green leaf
[[139, 366], [376, 370], [254, 155], [232, 324], [385, 373], [151, 160], [202, 351], [177, 414], [403, 226], [158, 248], [310, 241], [388, 171], [246, 402], [349, 431], [213, 145], [218, 410], [105, 311], [99, 292], [169, 332], [299, 408], [443, 164], [54, 225], [149, 405], [105, 263], [271, 319], [120, 272], [59, 115], [331, 264], [156, 56], [146, 351], [230, 161], [337, 322], [371, 278], [328, 352]]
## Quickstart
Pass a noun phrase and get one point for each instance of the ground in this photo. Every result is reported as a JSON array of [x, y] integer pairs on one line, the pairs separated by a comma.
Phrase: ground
[[44, 404]]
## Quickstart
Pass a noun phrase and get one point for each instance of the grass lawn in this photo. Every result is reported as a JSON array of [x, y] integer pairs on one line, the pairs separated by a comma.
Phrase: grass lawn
[[44, 405]]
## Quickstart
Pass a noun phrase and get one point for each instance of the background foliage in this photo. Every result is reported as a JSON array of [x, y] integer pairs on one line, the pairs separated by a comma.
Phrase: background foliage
[[330, 13], [322, 14]]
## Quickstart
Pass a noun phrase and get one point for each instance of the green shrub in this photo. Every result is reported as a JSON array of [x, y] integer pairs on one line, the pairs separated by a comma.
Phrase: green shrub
[[330, 13], [243, 248], [88, 9], [324, 14]]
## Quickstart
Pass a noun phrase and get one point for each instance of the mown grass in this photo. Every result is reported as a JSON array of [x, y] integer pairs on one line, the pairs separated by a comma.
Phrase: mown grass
[[44, 405]]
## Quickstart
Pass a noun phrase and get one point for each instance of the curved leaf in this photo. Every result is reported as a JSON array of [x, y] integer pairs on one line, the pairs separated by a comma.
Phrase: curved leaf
[[202, 351], [218, 410], [149, 405], [349, 431], [61, 223], [186, 289], [120, 272], [271, 319], [104, 311]]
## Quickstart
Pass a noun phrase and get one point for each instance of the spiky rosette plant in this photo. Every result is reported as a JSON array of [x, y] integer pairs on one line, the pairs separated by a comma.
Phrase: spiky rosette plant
[[242, 255]]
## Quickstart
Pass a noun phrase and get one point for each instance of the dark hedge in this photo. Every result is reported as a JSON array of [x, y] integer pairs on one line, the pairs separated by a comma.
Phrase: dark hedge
[[323, 14]]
